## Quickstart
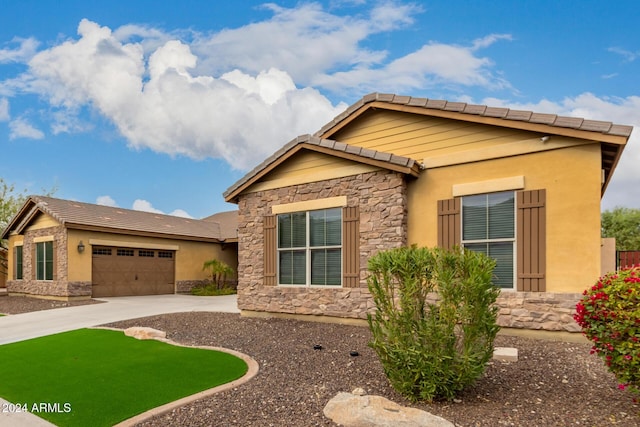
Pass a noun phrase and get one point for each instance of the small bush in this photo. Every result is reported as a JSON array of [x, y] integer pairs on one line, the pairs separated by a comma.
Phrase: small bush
[[609, 314], [212, 290], [435, 319]]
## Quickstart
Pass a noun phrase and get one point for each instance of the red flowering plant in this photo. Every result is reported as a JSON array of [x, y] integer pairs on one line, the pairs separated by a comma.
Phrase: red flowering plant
[[609, 314]]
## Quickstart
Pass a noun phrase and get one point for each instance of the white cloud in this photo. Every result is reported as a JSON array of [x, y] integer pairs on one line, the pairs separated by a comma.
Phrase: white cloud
[[181, 213], [433, 65], [26, 49], [624, 188], [21, 128], [145, 206], [626, 54], [106, 201], [237, 94], [4, 110]]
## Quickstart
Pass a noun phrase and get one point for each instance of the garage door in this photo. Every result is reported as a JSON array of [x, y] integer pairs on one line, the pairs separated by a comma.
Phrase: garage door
[[126, 271]]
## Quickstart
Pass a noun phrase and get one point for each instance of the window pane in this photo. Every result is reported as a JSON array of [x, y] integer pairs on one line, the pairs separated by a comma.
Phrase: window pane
[[317, 232], [48, 251], [18, 262], [501, 215], [326, 227], [284, 231], [299, 230], [326, 267], [292, 267], [503, 254], [474, 217], [503, 273], [334, 227], [39, 261]]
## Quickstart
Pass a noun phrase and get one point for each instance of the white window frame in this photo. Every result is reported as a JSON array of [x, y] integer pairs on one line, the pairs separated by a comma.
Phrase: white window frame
[[308, 250], [500, 240]]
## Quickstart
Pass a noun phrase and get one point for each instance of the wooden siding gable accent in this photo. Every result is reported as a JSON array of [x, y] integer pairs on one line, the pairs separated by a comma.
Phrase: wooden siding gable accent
[[531, 241], [270, 251], [350, 247], [449, 223]]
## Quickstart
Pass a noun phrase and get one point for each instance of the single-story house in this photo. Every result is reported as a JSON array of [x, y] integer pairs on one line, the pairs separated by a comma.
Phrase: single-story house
[[393, 170], [63, 249]]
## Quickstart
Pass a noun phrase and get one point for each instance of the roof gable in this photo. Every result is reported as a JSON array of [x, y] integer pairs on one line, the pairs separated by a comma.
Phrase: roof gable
[[520, 119], [611, 137], [337, 149]]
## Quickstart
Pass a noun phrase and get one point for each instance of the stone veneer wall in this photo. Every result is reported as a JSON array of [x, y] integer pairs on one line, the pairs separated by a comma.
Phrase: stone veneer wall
[[538, 310], [60, 287], [382, 201]]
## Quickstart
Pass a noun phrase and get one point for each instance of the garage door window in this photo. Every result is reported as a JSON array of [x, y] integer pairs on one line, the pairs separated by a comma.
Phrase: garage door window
[[125, 252], [165, 254], [147, 254]]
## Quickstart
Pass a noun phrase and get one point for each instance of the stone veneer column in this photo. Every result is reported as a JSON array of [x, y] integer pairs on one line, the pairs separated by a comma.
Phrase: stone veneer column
[[381, 198]]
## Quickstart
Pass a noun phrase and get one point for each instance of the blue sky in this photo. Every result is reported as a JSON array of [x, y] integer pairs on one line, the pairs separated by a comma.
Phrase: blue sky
[[161, 106]]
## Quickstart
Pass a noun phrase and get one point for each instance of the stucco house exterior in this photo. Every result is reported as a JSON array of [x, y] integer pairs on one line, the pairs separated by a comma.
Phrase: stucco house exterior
[[63, 249], [393, 170]]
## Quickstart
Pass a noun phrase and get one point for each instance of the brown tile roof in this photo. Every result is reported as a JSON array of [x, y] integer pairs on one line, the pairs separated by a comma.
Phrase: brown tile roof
[[86, 216], [339, 149], [228, 223], [553, 120]]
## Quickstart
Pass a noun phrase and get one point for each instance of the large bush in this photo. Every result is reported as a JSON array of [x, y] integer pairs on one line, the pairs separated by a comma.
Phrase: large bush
[[609, 314], [435, 319]]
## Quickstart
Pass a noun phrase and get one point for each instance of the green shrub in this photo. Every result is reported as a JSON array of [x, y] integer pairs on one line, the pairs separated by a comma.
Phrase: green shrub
[[609, 314], [435, 319], [212, 290]]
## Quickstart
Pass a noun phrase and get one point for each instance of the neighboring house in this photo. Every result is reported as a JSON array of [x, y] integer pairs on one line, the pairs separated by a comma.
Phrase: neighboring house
[[63, 249], [393, 171]]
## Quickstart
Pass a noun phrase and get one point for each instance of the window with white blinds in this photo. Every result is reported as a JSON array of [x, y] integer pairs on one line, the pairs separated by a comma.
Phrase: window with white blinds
[[310, 248], [488, 226]]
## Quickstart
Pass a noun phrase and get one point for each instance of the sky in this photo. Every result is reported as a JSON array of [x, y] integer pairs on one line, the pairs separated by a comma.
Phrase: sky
[[161, 106]]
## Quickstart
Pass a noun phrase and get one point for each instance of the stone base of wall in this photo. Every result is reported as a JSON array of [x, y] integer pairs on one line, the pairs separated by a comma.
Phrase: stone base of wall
[[332, 302], [50, 289], [538, 310], [185, 286], [543, 311]]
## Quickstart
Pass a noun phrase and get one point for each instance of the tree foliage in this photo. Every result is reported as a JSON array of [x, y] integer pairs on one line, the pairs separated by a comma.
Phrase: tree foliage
[[10, 202], [623, 224], [218, 270]]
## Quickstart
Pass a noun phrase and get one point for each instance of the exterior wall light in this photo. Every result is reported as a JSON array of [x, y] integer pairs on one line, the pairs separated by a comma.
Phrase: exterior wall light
[[80, 247]]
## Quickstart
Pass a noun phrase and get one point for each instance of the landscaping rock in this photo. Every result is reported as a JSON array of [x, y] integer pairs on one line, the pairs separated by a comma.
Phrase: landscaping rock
[[144, 333], [350, 410]]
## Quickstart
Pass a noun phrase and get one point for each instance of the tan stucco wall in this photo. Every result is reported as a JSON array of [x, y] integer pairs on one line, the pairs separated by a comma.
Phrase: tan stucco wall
[[572, 179]]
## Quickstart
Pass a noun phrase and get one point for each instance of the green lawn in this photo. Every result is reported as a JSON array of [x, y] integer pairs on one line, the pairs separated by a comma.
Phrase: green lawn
[[101, 377]]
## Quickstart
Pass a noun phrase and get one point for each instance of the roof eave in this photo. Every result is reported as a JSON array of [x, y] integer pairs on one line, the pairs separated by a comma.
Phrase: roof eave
[[129, 232], [409, 167]]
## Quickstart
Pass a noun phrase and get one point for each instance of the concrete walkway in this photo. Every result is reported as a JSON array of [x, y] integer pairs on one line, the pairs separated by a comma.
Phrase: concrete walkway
[[20, 327]]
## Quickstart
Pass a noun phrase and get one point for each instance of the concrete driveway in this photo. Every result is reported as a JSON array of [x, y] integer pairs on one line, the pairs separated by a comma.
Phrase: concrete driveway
[[20, 327]]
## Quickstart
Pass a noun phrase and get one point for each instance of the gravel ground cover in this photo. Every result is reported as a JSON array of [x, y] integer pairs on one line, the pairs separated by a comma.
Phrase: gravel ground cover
[[17, 305], [552, 384]]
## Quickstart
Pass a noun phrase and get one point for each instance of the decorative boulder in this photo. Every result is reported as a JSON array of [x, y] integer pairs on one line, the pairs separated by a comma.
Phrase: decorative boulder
[[144, 333], [350, 410]]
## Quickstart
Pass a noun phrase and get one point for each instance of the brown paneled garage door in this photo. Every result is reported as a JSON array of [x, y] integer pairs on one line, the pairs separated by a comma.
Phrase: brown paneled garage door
[[126, 271]]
